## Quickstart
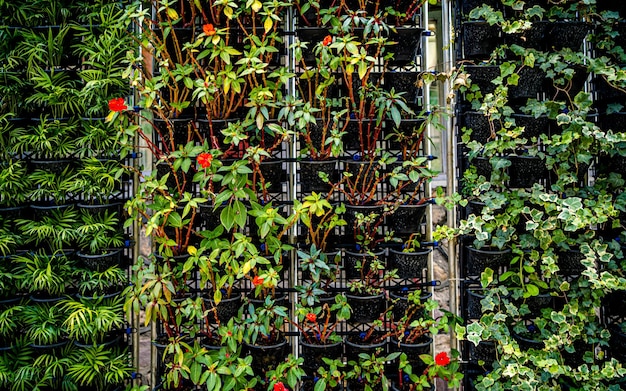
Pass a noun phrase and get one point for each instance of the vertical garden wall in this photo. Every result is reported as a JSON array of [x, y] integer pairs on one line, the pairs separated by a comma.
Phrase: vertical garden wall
[[64, 250], [540, 120], [288, 195]]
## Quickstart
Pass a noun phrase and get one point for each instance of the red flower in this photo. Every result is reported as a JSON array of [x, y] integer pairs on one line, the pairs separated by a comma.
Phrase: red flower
[[279, 386], [442, 359], [311, 317], [117, 104], [208, 29], [257, 281], [327, 40], [204, 159]]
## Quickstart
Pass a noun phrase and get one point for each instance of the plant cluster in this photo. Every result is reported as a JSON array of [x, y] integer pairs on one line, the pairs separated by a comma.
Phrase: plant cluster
[[62, 239], [542, 224]]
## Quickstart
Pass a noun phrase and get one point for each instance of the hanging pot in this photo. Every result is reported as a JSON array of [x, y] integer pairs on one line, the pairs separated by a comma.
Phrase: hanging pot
[[566, 35], [355, 345], [533, 126], [357, 264], [408, 46], [267, 357], [525, 171], [413, 351], [478, 124], [482, 76], [273, 176], [313, 354], [484, 352], [350, 216], [101, 262], [570, 262], [227, 308], [401, 306], [406, 135], [407, 83], [531, 38], [178, 131], [407, 219], [310, 181], [479, 40], [531, 82], [474, 307], [365, 308], [409, 264], [480, 259]]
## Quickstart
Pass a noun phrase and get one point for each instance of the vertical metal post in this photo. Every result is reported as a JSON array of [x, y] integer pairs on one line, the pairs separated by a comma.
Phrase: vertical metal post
[[448, 58], [292, 153]]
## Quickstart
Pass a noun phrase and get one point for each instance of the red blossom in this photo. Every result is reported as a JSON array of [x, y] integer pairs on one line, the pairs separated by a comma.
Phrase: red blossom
[[208, 29], [257, 281], [117, 104], [311, 317], [327, 40], [204, 159], [442, 359], [279, 386]]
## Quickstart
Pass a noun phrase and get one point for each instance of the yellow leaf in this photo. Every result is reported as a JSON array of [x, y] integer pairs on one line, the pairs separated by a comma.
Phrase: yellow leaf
[[228, 12], [268, 24], [109, 117], [171, 12], [256, 6], [192, 250], [246, 267]]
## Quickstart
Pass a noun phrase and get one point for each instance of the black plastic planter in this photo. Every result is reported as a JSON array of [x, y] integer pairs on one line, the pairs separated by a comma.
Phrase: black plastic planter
[[365, 308], [409, 264], [310, 180], [407, 219], [479, 40], [525, 171], [480, 259]]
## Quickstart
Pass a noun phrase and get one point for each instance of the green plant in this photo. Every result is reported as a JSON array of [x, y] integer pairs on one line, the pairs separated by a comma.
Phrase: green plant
[[101, 282], [43, 323], [321, 219], [263, 323], [317, 322], [98, 233], [45, 274], [368, 371], [372, 276], [15, 185], [98, 181], [93, 320], [50, 138], [56, 229], [99, 367]]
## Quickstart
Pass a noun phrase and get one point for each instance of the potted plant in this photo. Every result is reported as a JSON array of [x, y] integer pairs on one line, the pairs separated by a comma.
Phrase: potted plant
[[366, 295], [99, 239], [44, 275], [263, 335], [94, 321], [44, 325], [317, 324]]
